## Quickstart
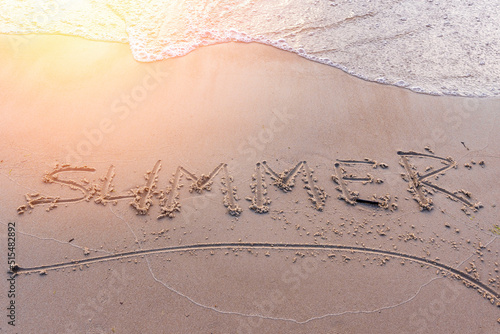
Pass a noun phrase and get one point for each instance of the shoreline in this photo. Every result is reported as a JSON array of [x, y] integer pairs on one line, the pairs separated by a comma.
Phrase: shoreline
[[189, 136], [275, 44]]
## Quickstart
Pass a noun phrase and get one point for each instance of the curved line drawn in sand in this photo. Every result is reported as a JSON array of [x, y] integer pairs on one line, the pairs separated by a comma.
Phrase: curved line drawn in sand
[[169, 203], [341, 178], [468, 280], [142, 196], [284, 181], [416, 182]]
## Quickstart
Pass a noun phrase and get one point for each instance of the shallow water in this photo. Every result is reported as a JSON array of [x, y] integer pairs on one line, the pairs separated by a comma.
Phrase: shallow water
[[441, 47]]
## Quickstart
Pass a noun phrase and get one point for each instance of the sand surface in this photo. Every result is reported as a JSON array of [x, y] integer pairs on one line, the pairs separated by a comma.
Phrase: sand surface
[[241, 189], [444, 47]]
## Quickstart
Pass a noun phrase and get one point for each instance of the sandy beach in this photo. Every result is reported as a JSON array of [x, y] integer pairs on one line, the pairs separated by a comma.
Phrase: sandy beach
[[240, 189]]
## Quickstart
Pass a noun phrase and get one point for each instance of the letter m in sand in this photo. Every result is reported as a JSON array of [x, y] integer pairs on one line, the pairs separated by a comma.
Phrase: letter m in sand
[[284, 181], [169, 200]]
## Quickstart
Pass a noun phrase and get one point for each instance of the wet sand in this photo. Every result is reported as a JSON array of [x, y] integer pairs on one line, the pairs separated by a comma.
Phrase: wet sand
[[241, 189]]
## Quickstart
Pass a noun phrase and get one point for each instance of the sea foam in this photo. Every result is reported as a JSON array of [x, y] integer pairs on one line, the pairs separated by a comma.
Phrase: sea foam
[[440, 47]]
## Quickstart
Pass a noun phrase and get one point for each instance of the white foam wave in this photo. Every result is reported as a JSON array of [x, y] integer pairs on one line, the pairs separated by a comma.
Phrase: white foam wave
[[431, 46]]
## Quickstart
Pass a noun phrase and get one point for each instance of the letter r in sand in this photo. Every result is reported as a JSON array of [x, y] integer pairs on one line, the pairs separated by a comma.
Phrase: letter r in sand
[[422, 188]]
